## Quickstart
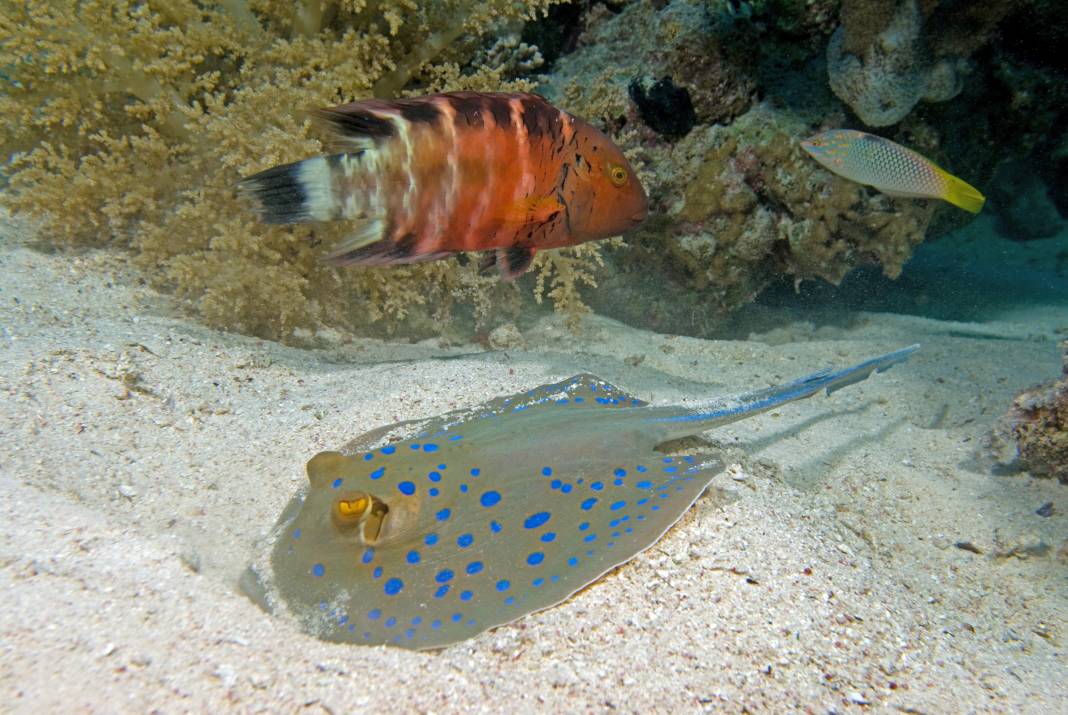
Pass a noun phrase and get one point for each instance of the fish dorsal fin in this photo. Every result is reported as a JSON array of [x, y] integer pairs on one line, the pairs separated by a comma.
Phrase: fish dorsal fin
[[353, 127]]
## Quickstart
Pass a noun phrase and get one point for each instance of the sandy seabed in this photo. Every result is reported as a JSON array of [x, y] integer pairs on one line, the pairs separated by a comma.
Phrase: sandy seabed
[[143, 456]]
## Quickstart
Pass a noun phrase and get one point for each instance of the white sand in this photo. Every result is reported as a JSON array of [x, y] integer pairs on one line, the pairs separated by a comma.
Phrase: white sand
[[143, 455]]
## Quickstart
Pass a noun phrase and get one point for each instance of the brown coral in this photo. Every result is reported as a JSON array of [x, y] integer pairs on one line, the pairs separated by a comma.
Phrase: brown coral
[[129, 122], [1037, 423]]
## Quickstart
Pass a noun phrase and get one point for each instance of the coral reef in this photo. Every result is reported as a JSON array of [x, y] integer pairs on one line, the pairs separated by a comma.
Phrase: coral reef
[[129, 122], [738, 205], [1033, 434], [886, 57], [882, 76]]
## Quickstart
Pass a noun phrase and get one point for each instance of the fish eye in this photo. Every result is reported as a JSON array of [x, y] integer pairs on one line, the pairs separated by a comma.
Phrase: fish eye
[[618, 175]]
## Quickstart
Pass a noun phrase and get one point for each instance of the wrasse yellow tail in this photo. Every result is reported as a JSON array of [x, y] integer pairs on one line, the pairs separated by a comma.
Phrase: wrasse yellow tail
[[889, 167], [962, 194]]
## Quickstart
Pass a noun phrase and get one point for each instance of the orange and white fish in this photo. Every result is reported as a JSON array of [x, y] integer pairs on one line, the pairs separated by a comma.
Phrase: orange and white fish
[[889, 167], [428, 177]]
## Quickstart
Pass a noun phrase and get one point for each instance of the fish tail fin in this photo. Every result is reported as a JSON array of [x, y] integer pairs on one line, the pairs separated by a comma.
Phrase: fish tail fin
[[962, 194], [299, 192], [746, 405]]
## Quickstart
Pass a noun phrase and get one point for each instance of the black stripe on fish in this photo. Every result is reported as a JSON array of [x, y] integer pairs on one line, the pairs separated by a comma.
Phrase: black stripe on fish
[[353, 120], [539, 116], [501, 110], [418, 111], [469, 108]]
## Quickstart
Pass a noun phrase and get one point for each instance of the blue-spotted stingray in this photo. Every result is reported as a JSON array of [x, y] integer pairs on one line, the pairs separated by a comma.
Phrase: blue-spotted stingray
[[493, 513]]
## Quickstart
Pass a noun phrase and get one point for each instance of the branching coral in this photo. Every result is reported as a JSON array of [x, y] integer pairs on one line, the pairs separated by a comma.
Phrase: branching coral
[[129, 122]]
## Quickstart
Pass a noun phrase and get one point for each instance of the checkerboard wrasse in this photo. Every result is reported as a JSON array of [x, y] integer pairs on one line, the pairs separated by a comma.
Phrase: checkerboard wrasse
[[505, 174], [492, 513], [889, 167]]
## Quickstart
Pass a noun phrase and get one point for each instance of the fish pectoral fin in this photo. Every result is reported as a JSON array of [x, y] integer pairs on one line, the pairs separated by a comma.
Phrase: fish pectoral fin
[[514, 262], [530, 209], [368, 230]]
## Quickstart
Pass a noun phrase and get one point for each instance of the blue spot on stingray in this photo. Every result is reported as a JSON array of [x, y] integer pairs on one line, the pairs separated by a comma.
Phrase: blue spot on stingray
[[390, 622], [555, 484], [474, 567], [377, 572], [584, 525], [368, 457], [393, 586], [413, 446], [641, 468], [655, 507], [368, 555], [406, 488], [620, 472], [548, 536], [389, 449], [573, 561], [318, 570], [643, 501], [377, 474], [588, 504], [442, 590], [463, 489], [580, 399], [618, 482], [566, 489], [430, 447], [434, 476], [629, 530], [441, 466], [668, 460], [337, 483], [641, 517], [456, 437], [374, 614], [596, 486], [475, 472], [430, 539], [535, 520], [645, 484], [443, 515], [464, 540], [444, 576], [435, 624], [434, 491], [547, 471], [590, 537], [296, 533], [413, 557], [509, 601], [465, 596], [410, 633], [489, 499], [503, 585], [535, 558], [495, 527], [537, 582], [670, 470]]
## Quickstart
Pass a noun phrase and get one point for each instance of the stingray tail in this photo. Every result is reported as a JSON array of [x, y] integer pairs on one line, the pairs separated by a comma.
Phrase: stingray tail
[[751, 403]]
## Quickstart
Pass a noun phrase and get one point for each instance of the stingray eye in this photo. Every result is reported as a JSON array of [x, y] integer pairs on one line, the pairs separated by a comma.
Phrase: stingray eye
[[350, 510], [618, 175]]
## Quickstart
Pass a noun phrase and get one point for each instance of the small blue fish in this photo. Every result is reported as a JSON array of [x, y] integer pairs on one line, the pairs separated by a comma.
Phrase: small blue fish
[[496, 512]]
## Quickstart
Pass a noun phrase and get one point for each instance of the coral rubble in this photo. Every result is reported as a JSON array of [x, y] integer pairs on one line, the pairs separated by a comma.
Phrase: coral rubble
[[1033, 434]]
